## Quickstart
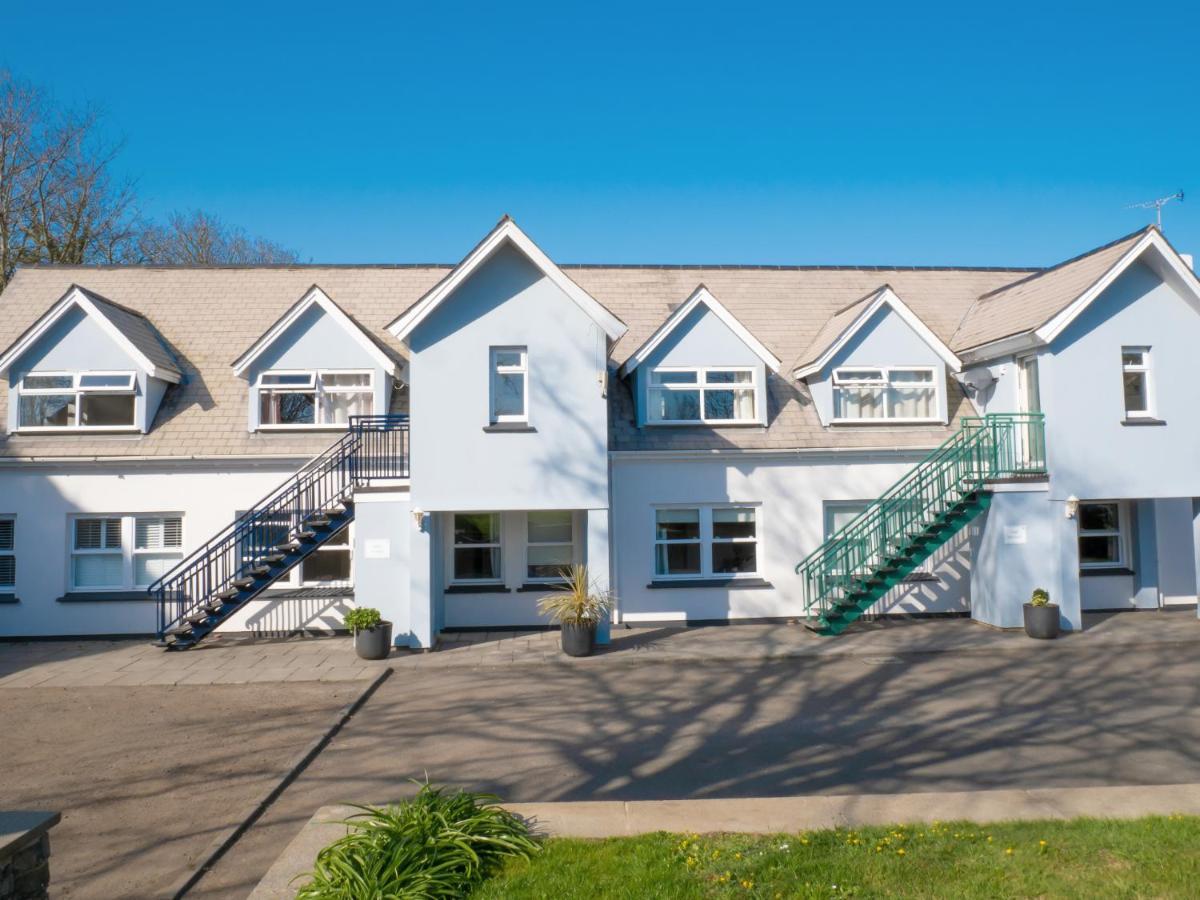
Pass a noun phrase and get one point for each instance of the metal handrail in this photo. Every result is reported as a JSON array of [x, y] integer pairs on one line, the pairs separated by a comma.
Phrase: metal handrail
[[998, 445], [373, 448]]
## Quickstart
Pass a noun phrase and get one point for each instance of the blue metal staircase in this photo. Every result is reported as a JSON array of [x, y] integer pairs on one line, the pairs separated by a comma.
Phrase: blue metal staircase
[[291, 522], [860, 562]]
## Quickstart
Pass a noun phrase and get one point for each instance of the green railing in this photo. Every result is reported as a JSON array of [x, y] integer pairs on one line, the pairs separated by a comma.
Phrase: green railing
[[997, 446]]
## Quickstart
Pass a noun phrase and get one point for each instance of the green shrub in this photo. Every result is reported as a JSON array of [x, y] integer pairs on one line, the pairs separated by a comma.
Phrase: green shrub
[[437, 845], [1041, 597], [362, 619]]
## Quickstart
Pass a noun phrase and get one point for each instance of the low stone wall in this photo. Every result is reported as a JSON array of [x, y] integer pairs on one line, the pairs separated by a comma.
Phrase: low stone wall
[[25, 854]]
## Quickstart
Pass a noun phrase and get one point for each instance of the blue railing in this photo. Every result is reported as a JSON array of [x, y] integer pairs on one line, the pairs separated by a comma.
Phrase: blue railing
[[374, 448]]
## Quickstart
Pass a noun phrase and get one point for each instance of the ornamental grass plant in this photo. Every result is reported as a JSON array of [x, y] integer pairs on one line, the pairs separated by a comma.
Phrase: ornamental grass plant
[[440, 845], [577, 602]]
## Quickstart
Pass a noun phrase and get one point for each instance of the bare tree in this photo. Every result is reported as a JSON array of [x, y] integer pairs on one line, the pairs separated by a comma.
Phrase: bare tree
[[61, 202], [200, 238]]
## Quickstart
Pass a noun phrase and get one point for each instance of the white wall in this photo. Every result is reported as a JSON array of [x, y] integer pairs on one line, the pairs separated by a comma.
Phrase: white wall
[[791, 492], [43, 497], [456, 464]]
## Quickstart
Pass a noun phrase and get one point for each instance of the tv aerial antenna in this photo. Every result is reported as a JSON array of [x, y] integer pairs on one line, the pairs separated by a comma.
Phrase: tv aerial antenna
[[1157, 205]]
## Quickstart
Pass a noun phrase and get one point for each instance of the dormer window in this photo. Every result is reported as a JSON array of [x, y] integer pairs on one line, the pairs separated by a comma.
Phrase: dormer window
[[59, 400], [895, 394], [711, 396], [314, 399]]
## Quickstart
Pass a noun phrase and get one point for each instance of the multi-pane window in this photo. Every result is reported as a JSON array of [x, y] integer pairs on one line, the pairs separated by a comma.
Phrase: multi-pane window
[[329, 563], [898, 394], [1135, 373], [77, 400], [477, 547], [705, 540], [313, 399], [115, 552], [549, 544], [509, 387], [1101, 539], [157, 547], [705, 395], [8, 555]]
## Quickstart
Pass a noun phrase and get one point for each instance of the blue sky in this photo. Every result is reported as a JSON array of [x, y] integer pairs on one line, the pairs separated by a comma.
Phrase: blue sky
[[974, 134]]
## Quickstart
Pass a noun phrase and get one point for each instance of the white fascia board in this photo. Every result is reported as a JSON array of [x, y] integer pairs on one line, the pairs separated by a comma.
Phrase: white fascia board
[[318, 297], [506, 231], [1153, 239], [701, 295], [885, 296], [1005, 346], [76, 297]]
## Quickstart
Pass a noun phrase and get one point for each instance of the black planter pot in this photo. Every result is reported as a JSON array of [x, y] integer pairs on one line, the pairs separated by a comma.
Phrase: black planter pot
[[578, 640], [1041, 621], [374, 643]]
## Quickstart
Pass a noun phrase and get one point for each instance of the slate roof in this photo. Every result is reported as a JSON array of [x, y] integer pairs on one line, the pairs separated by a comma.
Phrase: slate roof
[[208, 315], [834, 327], [1035, 300]]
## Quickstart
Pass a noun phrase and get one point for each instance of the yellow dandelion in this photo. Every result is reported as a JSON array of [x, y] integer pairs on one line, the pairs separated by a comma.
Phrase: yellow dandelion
[[737, 856], [747, 883], [716, 853], [1008, 851], [900, 852], [691, 861]]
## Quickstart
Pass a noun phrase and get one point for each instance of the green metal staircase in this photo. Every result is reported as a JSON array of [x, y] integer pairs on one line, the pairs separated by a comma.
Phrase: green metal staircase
[[861, 562]]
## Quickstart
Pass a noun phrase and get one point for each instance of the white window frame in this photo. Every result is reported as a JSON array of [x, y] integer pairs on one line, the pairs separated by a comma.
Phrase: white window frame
[[313, 386], [700, 386], [498, 544], [78, 391], [10, 553], [128, 549], [494, 371], [706, 541], [573, 544], [1121, 533], [1146, 370], [298, 578], [885, 382]]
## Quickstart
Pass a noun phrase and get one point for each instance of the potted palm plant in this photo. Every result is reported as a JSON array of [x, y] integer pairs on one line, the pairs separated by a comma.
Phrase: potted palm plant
[[578, 609], [1041, 616], [372, 635]]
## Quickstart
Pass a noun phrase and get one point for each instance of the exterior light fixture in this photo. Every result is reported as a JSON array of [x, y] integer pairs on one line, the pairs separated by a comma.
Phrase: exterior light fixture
[[1072, 507], [418, 515]]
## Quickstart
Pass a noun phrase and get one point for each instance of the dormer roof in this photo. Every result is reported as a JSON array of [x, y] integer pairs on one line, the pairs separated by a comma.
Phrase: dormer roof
[[130, 329], [847, 321], [701, 296], [314, 296]]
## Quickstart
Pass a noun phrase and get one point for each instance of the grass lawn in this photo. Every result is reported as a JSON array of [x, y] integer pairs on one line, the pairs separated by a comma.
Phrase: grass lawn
[[1151, 857]]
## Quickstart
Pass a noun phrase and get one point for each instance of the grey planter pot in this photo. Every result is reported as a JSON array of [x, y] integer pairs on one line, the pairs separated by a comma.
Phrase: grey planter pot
[[578, 640], [374, 643], [1041, 621]]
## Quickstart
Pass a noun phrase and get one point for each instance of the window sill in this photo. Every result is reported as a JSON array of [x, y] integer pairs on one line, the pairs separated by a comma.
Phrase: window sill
[[543, 587], [692, 423], [9, 598], [857, 422], [106, 597], [477, 589], [98, 429], [683, 583], [1107, 570], [269, 429], [1142, 420], [509, 428]]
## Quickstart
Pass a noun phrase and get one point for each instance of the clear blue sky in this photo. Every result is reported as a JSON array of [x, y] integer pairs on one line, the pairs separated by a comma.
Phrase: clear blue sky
[[981, 134]]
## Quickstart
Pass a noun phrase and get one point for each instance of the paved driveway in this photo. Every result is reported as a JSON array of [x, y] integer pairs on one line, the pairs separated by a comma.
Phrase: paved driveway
[[1021, 714]]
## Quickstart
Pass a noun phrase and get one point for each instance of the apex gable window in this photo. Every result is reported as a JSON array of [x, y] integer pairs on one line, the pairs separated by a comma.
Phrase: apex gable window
[[712, 396], [509, 367], [705, 541], [123, 552], [1135, 373], [313, 399], [60, 400], [8, 555], [1102, 536], [894, 394]]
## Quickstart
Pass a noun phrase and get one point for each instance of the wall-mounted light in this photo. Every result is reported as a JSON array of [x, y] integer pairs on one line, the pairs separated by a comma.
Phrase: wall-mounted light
[[1072, 507], [418, 515]]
